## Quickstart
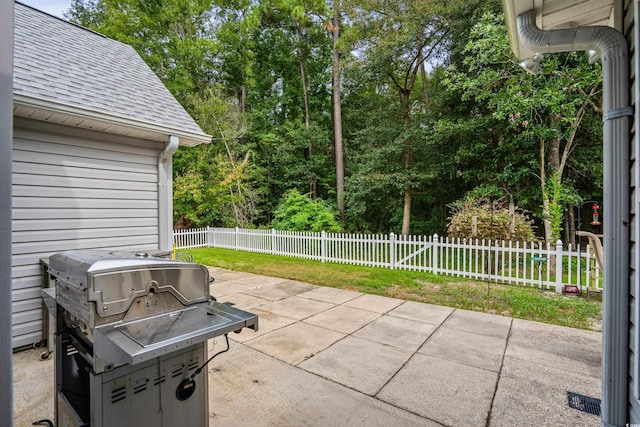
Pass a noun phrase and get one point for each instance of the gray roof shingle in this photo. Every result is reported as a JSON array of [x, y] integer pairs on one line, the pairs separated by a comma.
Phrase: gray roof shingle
[[60, 62]]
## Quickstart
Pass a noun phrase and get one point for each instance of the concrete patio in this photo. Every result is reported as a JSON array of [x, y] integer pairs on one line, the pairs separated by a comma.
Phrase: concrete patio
[[327, 356]]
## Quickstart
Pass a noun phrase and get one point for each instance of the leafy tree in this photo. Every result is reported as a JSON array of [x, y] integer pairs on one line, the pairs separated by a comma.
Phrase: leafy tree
[[396, 39], [212, 183], [536, 114], [89, 13], [300, 25], [336, 101], [297, 212], [272, 82], [173, 37], [219, 174], [279, 133], [236, 53]]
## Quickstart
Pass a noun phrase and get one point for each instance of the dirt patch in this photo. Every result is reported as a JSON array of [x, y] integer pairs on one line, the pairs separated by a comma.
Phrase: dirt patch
[[397, 291]]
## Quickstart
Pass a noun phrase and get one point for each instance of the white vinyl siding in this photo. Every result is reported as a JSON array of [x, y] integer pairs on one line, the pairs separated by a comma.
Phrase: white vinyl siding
[[75, 189]]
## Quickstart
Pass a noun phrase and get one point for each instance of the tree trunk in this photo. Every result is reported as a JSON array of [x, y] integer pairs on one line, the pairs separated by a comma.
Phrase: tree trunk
[[554, 156], [557, 161], [546, 212], [406, 213], [423, 76], [570, 227], [550, 167], [337, 112], [243, 98], [305, 96], [548, 234], [303, 76], [405, 86]]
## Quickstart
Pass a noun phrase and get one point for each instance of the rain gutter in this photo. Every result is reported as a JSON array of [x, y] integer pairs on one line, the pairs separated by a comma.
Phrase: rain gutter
[[612, 47]]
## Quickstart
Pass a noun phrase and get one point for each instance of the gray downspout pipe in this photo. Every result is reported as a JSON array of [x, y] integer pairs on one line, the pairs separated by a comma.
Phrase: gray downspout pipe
[[6, 143], [616, 111], [165, 194]]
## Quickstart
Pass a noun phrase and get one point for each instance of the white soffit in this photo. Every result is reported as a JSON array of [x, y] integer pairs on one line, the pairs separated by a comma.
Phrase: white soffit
[[51, 112], [557, 14]]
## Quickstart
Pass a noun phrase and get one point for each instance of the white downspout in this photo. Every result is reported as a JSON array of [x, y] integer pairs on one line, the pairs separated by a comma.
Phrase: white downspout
[[612, 47], [165, 195]]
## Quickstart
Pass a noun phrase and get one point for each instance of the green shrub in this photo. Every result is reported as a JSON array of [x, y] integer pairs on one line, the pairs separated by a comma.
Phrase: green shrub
[[492, 221], [297, 212]]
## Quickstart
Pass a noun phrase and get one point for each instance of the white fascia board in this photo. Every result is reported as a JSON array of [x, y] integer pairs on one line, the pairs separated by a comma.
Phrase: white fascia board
[[187, 138], [513, 8]]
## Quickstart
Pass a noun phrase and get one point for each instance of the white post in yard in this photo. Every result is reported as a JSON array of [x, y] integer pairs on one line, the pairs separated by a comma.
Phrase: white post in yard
[[236, 238], [434, 261], [392, 250], [273, 241], [323, 246], [559, 266]]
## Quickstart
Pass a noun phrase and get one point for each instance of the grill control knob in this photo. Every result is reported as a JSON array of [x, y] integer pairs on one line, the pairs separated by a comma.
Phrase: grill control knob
[[185, 389], [142, 255]]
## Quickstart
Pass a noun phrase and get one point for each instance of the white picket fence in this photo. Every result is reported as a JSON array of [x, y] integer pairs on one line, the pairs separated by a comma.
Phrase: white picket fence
[[525, 264], [191, 238]]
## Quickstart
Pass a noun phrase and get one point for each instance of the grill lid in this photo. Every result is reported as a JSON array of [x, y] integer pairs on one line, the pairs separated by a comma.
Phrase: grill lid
[[114, 279]]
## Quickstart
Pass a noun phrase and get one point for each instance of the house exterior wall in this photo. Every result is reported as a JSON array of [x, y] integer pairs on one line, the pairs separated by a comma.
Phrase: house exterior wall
[[74, 189], [631, 16]]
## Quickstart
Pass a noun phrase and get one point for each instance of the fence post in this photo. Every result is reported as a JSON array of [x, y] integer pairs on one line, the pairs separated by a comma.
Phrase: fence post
[[209, 237], [273, 241], [434, 260], [323, 246], [392, 250], [236, 238], [559, 266]]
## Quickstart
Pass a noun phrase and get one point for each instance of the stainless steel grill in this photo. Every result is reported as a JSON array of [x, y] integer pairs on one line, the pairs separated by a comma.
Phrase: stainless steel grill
[[131, 335]]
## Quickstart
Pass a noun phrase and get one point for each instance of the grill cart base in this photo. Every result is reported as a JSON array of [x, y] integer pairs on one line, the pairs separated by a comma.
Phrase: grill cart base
[[131, 339]]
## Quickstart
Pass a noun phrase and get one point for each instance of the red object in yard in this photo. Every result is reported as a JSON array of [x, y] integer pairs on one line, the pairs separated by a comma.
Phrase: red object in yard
[[595, 221], [570, 290]]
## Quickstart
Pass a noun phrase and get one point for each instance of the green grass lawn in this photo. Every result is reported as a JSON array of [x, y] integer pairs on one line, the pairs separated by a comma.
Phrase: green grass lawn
[[514, 301]]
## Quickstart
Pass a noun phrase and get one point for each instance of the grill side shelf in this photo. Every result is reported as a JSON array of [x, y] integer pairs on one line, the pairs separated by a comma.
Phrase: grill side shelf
[[145, 339]]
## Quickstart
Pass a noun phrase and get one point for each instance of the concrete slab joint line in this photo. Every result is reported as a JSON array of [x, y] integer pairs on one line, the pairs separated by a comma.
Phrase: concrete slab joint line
[[495, 390], [323, 358]]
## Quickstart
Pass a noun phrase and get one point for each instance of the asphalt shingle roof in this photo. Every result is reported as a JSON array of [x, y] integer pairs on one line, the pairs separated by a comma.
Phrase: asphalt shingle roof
[[57, 61]]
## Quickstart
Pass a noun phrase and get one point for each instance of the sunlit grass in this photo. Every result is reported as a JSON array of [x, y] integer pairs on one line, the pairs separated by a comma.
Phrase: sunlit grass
[[514, 301]]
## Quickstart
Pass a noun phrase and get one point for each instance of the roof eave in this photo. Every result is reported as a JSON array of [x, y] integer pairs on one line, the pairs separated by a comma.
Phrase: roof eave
[[559, 14], [510, 19], [56, 112]]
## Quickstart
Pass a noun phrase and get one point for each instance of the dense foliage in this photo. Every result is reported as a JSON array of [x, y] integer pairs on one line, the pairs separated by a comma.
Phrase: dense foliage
[[489, 219], [540, 115], [297, 212], [433, 105]]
